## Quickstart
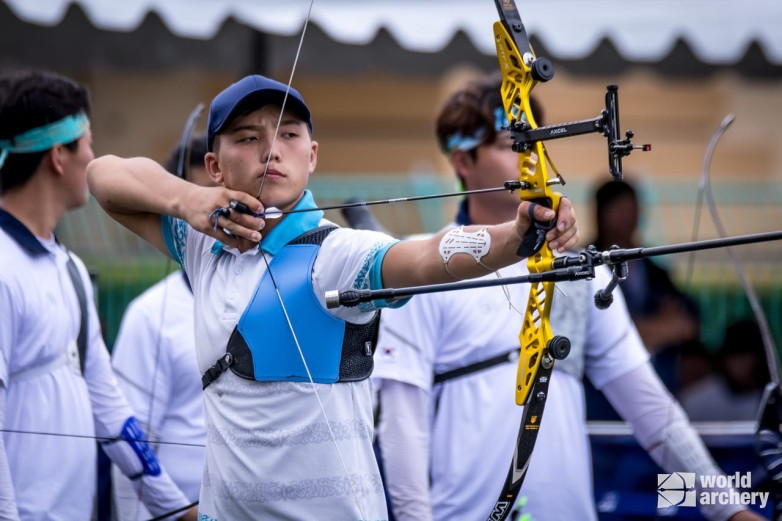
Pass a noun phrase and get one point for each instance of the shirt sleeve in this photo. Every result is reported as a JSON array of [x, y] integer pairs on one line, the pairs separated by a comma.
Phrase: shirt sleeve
[[8, 509], [109, 407], [614, 346], [407, 344], [8, 320], [352, 259], [175, 237]]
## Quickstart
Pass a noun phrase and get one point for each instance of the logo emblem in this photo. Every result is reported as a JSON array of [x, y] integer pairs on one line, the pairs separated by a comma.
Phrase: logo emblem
[[676, 490]]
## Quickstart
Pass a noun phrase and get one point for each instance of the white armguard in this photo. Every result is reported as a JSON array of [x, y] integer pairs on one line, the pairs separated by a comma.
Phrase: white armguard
[[476, 244], [663, 430], [131, 453]]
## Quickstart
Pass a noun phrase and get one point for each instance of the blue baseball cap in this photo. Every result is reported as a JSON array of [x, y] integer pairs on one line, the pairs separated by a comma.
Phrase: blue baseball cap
[[252, 92]]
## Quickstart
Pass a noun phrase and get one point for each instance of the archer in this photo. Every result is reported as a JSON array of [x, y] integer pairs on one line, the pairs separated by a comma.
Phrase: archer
[[287, 402]]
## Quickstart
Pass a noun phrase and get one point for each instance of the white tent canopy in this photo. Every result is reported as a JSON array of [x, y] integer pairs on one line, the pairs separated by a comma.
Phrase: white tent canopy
[[719, 32]]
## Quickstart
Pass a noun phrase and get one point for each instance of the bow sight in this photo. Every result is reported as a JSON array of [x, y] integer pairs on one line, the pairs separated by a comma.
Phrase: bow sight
[[542, 70], [607, 123]]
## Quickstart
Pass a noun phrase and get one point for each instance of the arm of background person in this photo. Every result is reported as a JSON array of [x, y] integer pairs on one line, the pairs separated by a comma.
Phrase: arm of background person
[[663, 430], [406, 352], [141, 361], [8, 510], [114, 420], [404, 437]]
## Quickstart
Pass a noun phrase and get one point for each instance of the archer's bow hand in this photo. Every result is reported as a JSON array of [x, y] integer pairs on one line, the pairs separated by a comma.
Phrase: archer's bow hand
[[561, 234]]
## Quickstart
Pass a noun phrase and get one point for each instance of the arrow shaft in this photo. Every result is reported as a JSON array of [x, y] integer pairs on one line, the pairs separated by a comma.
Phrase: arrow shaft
[[509, 186]]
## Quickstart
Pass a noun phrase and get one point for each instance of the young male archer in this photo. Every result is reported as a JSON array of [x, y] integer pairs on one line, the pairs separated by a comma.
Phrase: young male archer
[[287, 400]]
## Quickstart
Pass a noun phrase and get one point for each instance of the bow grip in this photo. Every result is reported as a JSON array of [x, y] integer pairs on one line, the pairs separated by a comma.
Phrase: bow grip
[[535, 237]]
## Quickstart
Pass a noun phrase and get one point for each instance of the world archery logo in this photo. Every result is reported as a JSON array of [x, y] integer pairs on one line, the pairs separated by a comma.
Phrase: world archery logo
[[676, 490]]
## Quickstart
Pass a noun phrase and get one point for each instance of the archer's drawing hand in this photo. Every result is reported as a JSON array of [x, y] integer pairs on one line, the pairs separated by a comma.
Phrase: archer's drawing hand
[[208, 211]]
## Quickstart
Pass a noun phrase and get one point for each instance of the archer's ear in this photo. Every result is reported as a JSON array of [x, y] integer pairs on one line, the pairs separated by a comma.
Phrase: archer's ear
[[313, 157], [213, 167], [461, 162]]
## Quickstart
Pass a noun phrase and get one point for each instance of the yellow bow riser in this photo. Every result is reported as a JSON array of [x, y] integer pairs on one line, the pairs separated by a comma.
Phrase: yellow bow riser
[[517, 85]]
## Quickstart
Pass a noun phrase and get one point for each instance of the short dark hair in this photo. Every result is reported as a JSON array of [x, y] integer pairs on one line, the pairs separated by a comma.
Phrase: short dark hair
[[472, 108], [31, 99], [197, 144]]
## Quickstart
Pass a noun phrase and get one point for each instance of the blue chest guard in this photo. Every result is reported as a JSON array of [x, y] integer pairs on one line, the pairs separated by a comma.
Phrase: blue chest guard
[[262, 346]]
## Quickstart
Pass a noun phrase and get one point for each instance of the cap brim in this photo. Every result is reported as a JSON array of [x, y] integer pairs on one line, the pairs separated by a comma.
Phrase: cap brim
[[259, 98]]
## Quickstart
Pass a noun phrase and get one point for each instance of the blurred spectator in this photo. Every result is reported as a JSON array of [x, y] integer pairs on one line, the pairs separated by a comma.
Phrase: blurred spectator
[[696, 363], [734, 392], [664, 316]]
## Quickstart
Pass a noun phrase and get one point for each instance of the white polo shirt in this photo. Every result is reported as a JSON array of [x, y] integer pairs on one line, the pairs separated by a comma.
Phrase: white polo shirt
[[475, 420], [53, 476], [270, 453]]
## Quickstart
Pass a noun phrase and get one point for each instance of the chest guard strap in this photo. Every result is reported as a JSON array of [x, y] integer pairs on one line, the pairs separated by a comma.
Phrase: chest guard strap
[[262, 346]]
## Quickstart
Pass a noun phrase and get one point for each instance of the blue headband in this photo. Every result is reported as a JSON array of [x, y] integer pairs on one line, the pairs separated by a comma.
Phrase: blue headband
[[66, 130], [459, 142]]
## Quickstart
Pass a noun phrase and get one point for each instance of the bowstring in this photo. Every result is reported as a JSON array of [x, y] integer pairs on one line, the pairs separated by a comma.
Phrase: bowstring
[[274, 282], [285, 97]]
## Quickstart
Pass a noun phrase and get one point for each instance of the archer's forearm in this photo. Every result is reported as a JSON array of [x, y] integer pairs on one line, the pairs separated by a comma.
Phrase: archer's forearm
[[136, 186], [496, 244]]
